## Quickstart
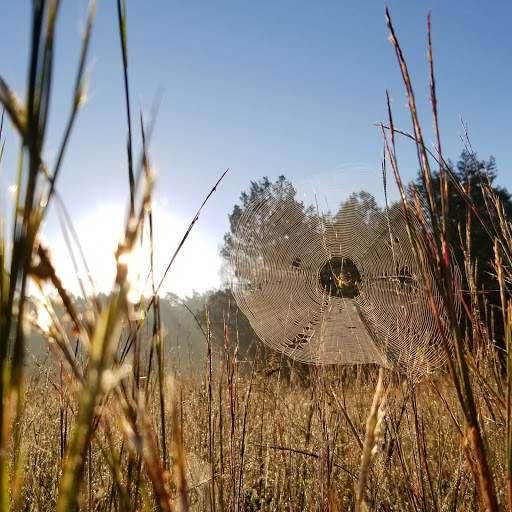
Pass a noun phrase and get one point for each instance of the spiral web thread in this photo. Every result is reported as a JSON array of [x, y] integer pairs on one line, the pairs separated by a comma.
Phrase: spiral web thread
[[340, 289]]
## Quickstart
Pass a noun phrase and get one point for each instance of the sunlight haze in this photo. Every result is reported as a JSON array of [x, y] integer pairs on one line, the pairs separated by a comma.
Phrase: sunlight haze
[[264, 89]]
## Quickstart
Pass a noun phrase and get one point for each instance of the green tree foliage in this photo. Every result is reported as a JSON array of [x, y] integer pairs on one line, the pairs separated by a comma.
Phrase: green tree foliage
[[359, 214], [255, 190], [223, 310], [221, 304], [473, 174], [364, 205], [227, 319]]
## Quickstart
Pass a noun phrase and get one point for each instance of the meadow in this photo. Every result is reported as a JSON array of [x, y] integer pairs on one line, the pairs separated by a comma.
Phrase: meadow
[[107, 422]]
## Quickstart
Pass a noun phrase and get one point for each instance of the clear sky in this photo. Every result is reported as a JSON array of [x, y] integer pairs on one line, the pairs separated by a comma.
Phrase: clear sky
[[262, 88]]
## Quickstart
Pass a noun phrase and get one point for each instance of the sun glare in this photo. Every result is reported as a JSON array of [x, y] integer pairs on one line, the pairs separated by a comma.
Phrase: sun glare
[[195, 268]]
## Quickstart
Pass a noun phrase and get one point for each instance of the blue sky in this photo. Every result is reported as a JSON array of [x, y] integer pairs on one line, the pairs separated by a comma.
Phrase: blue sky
[[263, 88]]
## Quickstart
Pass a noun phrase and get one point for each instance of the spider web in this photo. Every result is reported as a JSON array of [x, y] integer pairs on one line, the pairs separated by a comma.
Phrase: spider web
[[338, 288]]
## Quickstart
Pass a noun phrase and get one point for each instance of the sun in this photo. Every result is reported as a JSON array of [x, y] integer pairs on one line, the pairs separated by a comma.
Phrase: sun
[[100, 230]]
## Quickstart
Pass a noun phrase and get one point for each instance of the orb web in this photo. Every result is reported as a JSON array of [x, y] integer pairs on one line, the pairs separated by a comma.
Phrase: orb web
[[339, 288]]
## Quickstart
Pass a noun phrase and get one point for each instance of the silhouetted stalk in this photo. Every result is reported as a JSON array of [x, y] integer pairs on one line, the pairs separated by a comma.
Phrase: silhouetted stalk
[[211, 439], [31, 124], [422, 451], [157, 333], [121, 16], [103, 346], [89, 471], [230, 363], [78, 98], [61, 416], [353, 429], [506, 314], [178, 462], [221, 448], [418, 486], [185, 236], [433, 100], [285, 465], [107, 331], [240, 505], [433, 257], [509, 401], [398, 448]]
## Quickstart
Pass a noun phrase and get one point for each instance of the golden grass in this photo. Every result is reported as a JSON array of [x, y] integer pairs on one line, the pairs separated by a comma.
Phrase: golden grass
[[110, 428], [300, 451]]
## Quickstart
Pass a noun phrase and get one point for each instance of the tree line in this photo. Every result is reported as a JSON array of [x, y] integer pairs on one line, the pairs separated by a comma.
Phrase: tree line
[[469, 240], [187, 319]]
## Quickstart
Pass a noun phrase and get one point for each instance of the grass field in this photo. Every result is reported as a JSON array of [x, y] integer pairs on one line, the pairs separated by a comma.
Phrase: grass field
[[107, 426], [270, 444]]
